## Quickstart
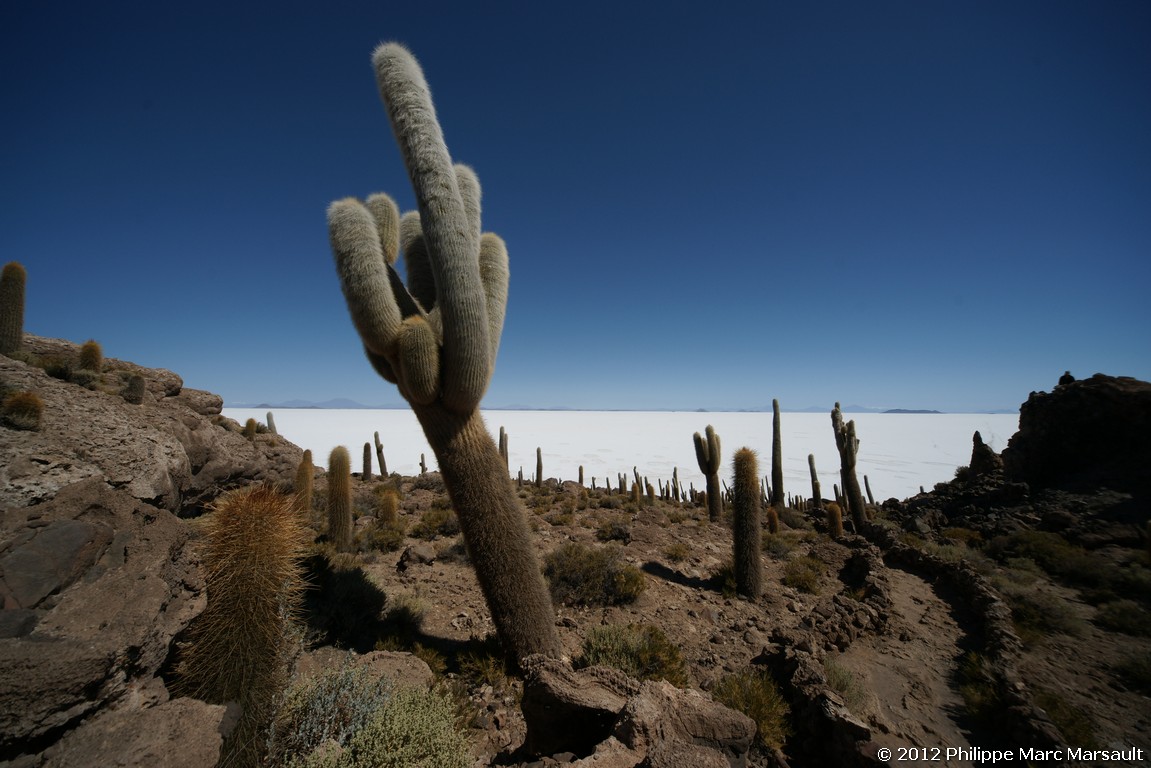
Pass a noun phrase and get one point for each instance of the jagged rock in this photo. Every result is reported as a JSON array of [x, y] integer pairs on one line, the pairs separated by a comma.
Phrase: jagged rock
[[174, 450], [984, 461], [404, 669], [1085, 434], [421, 553], [108, 582], [617, 721]]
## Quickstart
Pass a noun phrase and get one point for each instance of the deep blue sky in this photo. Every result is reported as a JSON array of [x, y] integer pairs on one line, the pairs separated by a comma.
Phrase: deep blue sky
[[896, 204]]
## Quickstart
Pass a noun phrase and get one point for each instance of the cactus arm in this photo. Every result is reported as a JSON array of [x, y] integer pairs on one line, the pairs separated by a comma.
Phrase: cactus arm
[[363, 275], [421, 282], [419, 361], [453, 246], [494, 274]]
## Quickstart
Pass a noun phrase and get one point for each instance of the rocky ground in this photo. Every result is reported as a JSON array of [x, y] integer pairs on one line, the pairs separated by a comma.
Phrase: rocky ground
[[1008, 608]]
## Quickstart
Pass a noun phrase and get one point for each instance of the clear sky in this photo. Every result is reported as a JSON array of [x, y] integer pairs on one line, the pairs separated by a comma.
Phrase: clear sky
[[893, 204]]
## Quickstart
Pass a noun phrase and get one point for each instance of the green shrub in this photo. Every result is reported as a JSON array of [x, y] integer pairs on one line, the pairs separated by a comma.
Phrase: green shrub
[[755, 694], [803, 573], [348, 718], [1075, 724], [676, 552], [91, 356], [387, 536], [968, 536], [1125, 616], [779, 545], [642, 651], [842, 680], [22, 410], [581, 575], [436, 522], [982, 690], [1039, 614], [614, 528]]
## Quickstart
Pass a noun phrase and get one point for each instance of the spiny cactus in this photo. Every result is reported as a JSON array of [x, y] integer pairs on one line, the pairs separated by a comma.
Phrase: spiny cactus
[[340, 498], [776, 458], [366, 475], [745, 510], [539, 469], [250, 429], [707, 453], [135, 389], [305, 477], [848, 445], [834, 520], [383, 465], [91, 356], [272, 424], [437, 337], [816, 494], [503, 447], [242, 644], [12, 279]]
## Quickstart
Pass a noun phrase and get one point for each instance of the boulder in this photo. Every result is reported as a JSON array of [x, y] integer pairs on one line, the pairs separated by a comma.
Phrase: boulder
[[101, 583]]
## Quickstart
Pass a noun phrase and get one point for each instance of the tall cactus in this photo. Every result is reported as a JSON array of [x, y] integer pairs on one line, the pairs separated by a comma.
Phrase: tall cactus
[[340, 498], [708, 455], [816, 494], [539, 468], [437, 337], [383, 465], [12, 280], [366, 475], [848, 445], [745, 512], [304, 483], [776, 458]]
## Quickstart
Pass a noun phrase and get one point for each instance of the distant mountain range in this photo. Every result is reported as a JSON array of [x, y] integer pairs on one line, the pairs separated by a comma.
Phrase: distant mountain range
[[346, 404]]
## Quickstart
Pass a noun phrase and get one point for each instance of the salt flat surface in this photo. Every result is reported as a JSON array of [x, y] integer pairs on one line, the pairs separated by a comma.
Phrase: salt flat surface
[[898, 452]]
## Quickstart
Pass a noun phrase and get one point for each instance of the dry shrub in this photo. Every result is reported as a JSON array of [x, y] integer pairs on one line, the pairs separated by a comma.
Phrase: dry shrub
[[581, 575]]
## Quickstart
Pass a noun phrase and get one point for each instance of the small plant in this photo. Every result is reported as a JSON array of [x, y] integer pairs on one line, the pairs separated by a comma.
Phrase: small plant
[[404, 616], [676, 552], [642, 651], [723, 578], [1037, 615], [803, 573], [756, 695], [1135, 672], [982, 690], [135, 388], [91, 356], [1075, 724], [349, 718], [581, 575], [250, 429], [436, 522], [1125, 616], [614, 528], [388, 535], [22, 410], [387, 504], [842, 680]]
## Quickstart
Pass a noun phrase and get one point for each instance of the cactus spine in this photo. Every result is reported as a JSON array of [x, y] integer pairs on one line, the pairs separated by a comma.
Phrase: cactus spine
[[12, 280], [366, 475], [848, 445], [383, 465], [242, 644], [745, 506], [776, 458], [340, 499], [437, 341], [708, 455]]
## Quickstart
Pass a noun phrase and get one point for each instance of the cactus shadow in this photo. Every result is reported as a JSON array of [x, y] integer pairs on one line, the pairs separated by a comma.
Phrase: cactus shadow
[[661, 571]]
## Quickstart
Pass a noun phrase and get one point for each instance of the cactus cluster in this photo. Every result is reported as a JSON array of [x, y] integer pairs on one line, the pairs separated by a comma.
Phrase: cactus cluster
[[707, 453], [436, 337]]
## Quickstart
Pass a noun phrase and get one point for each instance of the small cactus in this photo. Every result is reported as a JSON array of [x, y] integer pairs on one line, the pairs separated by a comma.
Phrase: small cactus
[[834, 520], [707, 453], [12, 280], [340, 499], [91, 356], [366, 475], [305, 473], [135, 389], [272, 424], [745, 506], [251, 427], [242, 645]]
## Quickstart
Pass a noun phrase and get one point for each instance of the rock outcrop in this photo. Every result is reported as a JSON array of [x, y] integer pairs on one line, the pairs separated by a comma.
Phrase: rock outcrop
[[174, 450], [97, 575], [1085, 434]]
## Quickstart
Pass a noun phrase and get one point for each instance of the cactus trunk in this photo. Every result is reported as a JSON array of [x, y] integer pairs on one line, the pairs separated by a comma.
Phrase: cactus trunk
[[495, 529], [745, 506], [848, 445], [340, 499], [776, 458], [12, 280]]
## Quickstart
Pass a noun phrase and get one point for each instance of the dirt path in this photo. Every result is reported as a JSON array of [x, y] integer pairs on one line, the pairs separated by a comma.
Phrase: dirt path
[[908, 674]]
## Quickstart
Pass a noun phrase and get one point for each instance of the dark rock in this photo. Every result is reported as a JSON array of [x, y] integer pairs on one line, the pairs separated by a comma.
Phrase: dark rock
[[421, 553], [984, 461]]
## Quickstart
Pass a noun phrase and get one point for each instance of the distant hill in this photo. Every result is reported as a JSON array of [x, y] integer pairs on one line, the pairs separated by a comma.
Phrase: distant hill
[[905, 410]]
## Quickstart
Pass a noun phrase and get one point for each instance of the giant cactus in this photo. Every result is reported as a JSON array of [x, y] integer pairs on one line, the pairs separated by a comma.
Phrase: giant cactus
[[745, 524], [12, 279], [436, 338], [848, 445], [708, 455], [776, 458]]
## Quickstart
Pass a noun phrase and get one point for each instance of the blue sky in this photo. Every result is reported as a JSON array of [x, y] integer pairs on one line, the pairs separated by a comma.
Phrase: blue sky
[[896, 204]]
